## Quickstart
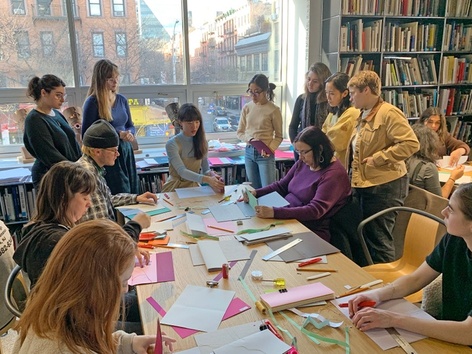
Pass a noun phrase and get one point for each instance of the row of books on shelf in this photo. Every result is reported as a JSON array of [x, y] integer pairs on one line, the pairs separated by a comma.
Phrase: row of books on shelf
[[393, 7], [357, 36], [459, 8], [411, 104], [152, 182], [455, 101], [352, 66], [457, 36], [17, 202], [456, 70], [400, 71], [410, 37], [460, 129]]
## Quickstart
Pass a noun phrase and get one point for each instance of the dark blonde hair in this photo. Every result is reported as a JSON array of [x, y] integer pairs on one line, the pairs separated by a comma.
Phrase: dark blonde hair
[[188, 112], [103, 70], [57, 188], [435, 111], [76, 301], [464, 193], [366, 78]]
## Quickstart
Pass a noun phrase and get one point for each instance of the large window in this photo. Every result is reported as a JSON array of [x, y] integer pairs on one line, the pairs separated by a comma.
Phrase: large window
[[207, 56]]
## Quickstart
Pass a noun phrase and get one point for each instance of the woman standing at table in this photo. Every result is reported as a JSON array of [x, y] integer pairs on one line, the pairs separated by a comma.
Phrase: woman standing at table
[[452, 259], [104, 102], [311, 107], [434, 119], [316, 187], [260, 120], [48, 136], [422, 169], [342, 117], [187, 152], [76, 302]]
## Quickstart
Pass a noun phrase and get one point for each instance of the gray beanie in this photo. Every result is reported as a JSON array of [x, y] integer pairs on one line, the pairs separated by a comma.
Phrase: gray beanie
[[101, 134]]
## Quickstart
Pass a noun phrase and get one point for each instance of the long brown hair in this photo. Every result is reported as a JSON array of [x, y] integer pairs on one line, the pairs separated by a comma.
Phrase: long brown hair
[[435, 111], [323, 72], [57, 188], [76, 301], [103, 70]]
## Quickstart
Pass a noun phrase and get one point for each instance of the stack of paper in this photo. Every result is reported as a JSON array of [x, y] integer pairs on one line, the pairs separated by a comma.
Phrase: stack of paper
[[298, 296], [263, 236]]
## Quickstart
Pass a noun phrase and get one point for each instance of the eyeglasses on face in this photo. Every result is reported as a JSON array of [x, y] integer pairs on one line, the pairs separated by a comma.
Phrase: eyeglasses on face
[[112, 80], [113, 150], [254, 93], [60, 96], [303, 152]]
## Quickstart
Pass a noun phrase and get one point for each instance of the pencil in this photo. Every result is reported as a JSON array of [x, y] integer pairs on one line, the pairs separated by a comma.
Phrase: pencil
[[219, 228], [170, 217], [315, 270], [168, 202], [351, 292]]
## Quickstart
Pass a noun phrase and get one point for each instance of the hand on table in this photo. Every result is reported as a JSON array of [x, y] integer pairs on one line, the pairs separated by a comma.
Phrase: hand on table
[[143, 219], [147, 198], [216, 183], [143, 257], [369, 318], [145, 344], [455, 155], [245, 198], [264, 212]]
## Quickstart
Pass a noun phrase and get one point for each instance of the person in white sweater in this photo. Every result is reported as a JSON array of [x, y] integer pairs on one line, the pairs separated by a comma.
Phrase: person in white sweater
[[75, 304]]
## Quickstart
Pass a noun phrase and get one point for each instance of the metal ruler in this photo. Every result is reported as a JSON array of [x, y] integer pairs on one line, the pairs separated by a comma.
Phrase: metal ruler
[[248, 264], [407, 348], [281, 249]]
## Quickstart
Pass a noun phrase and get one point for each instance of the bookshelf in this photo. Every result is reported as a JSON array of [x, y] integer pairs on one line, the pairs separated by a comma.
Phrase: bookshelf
[[421, 49]]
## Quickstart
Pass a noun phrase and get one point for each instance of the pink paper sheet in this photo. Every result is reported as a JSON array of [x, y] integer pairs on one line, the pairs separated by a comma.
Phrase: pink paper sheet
[[235, 307], [160, 269]]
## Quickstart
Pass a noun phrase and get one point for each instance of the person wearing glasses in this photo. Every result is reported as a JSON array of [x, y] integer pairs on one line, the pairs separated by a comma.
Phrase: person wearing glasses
[[311, 107], [100, 149], [260, 120], [434, 119], [104, 102], [187, 152], [47, 135], [316, 186]]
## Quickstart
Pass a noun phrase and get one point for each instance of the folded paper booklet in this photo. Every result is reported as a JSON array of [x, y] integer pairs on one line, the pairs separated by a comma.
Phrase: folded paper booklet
[[263, 236], [297, 296]]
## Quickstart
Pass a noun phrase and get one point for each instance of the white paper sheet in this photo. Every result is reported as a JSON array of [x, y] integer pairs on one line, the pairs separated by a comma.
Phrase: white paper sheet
[[231, 249], [192, 192], [444, 176], [229, 212], [207, 342], [444, 162], [262, 342], [273, 199], [380, 335], [195, 225], [199, 308]]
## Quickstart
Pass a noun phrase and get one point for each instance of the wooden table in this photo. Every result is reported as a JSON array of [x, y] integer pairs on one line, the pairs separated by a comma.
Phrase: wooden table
[[185, 273]]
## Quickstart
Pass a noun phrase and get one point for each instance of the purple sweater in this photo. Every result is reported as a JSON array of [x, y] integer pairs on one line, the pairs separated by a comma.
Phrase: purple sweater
[[314, 196]]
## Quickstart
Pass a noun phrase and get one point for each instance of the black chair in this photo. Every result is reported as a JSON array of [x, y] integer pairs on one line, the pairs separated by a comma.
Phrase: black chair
[[15, 292]]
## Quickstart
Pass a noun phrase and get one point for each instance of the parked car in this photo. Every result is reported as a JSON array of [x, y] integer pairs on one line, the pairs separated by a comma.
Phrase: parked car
[[221, 124]]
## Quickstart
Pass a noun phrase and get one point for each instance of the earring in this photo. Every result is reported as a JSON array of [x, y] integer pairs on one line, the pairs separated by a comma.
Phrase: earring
[[321, 158]]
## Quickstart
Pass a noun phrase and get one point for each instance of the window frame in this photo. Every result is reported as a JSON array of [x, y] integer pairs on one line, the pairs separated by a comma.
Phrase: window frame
[[18, 7], [115, 5], [95, 45], [22, 46], [45, 45], [119, 45], [94, 5]]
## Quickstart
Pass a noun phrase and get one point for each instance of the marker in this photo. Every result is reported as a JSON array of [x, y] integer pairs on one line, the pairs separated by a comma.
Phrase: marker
[[219, 228], [366, 303], [311, 261], [168, 202]]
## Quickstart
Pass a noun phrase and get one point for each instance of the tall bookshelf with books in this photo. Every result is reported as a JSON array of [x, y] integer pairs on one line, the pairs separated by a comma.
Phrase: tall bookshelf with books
[[421, 49]]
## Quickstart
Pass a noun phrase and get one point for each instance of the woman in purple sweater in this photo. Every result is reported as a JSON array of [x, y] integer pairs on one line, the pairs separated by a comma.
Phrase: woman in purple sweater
[[317, 186]]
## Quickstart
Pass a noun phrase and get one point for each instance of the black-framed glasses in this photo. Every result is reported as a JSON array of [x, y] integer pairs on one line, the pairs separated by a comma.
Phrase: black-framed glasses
[[303, 152]]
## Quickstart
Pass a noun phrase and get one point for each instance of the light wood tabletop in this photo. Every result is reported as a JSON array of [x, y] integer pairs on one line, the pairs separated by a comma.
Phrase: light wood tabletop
[[185, 273]]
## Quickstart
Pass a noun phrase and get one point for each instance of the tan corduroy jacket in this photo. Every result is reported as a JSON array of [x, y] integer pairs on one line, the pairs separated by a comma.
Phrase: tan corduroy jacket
[[386, 136]]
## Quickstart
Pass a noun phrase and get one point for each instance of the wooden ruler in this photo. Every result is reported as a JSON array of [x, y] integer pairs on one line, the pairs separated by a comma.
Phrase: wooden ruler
[[407, 348]]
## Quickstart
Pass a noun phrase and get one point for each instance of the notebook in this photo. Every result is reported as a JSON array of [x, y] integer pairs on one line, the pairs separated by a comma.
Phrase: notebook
[[297, 296]]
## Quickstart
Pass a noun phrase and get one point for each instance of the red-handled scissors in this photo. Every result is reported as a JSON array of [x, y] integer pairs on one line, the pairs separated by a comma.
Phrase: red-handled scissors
[[311, 261]]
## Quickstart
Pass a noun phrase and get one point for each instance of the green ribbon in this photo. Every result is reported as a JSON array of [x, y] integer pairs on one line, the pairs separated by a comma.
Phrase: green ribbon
[[197, 237], [252, 231]]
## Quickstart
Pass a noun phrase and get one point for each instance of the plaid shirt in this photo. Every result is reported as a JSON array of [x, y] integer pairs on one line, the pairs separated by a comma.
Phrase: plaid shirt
[[102, 201]]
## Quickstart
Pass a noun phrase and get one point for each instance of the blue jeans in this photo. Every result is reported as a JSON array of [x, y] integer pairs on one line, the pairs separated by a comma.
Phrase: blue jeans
[[378, 232], [259, 170]]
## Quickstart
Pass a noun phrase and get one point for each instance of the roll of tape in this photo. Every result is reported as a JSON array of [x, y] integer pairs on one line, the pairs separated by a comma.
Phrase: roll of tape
[[260, 307], [256, 275]]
